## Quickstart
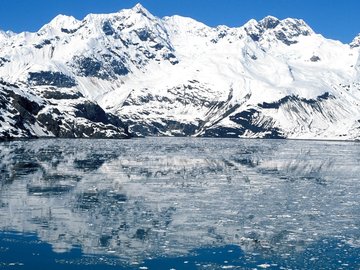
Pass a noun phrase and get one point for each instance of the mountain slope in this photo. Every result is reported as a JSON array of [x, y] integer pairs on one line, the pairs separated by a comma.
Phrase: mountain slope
[[55, 114], [178, 77]]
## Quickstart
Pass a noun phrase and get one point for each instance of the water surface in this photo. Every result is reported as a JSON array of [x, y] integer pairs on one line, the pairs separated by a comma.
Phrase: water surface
[[179, 203]]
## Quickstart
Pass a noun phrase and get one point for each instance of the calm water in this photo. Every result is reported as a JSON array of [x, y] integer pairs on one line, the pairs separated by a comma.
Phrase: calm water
[[179, 204]]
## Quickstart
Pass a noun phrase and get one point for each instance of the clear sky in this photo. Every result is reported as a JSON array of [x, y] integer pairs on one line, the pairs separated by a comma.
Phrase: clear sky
[[336, 19]]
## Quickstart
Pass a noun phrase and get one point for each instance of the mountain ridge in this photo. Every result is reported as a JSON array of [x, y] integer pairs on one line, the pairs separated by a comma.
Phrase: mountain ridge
[[178, 77]]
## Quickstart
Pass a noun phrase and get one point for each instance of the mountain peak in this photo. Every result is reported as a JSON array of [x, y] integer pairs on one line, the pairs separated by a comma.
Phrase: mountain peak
[[62, 19], [138, 8], [59, 22], [5, 34], [269, 22], [286, 30], [356, 42], [296, 27], [296, 22]]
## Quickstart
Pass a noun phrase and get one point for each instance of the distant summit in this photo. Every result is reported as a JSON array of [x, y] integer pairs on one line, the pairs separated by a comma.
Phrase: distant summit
[[356, 42]]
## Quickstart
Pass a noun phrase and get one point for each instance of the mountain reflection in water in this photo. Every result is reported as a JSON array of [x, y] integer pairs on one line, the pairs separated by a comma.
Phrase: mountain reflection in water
[[166, 197]]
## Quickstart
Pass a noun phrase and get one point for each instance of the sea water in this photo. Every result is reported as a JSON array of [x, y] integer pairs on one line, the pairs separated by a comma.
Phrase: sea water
[[179, 203]]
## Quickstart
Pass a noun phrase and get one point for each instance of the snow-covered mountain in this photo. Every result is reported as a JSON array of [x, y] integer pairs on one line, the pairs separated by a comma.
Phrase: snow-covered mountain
[[178, 77], [356, 42]]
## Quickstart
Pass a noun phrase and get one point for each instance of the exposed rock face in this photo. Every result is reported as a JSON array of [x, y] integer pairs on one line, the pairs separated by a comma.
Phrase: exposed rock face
[[24, 115], [50, 78], [356, 42]]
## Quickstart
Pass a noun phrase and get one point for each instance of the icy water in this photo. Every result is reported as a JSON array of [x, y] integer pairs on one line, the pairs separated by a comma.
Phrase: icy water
[[179, 203]]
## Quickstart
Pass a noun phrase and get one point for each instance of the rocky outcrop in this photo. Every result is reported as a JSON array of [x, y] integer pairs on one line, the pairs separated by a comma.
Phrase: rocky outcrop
[[23, 115]]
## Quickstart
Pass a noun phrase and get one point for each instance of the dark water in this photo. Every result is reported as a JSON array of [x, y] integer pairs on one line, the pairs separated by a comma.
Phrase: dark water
[[179, 204]]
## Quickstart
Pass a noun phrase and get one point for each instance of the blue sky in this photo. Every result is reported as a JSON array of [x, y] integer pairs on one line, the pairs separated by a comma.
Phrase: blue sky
[[336, 19]]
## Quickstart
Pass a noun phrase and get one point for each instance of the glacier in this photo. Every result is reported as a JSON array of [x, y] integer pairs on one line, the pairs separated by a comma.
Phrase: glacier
[[130, 74]]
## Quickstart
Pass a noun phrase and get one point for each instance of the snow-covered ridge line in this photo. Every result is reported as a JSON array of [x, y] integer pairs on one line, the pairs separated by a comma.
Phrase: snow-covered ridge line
[[63, 22], [178, 77]]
